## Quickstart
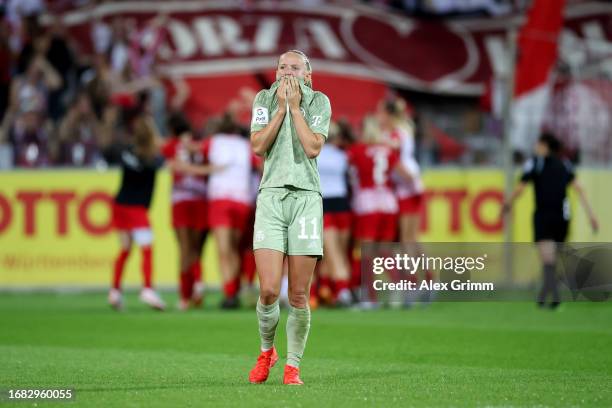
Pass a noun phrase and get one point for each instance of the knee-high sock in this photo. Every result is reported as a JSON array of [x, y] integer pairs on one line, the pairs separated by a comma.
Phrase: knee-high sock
[[147, 266], [267, 316], [298, 326], [231, 287], [186, 284], [340, 285], [119, 266], [550, 283]]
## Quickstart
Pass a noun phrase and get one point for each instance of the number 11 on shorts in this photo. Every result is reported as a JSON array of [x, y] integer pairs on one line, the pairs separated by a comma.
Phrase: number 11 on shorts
[[303, 234]]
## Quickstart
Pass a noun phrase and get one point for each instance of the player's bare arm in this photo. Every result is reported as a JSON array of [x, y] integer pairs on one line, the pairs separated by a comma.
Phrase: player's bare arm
[[311, 142], [263, 139], [192, 169], [515, 194], [587, 206]]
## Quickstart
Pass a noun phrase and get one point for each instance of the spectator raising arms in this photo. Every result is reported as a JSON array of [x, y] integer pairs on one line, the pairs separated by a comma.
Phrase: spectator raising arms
[[25, 122], [79, 134]]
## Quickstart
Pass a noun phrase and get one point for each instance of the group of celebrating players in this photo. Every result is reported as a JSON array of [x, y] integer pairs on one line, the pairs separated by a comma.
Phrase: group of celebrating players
[[214, 183], [371, 189]]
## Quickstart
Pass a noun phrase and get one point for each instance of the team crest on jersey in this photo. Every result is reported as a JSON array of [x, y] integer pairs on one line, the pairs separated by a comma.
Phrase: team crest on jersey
[[260, 116]]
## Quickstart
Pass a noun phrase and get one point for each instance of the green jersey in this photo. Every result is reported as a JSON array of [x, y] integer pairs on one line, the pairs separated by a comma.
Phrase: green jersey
[[286, 163]]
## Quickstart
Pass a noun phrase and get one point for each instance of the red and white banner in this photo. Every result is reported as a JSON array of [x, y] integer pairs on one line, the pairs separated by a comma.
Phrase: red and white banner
[[354, 48]]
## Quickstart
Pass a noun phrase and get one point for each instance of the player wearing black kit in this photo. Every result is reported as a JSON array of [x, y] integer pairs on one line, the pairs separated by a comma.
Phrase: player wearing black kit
[[550, 175], [139, 165]]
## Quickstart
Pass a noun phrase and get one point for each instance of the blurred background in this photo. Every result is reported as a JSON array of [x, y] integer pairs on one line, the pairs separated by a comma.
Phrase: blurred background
[[480, 78]]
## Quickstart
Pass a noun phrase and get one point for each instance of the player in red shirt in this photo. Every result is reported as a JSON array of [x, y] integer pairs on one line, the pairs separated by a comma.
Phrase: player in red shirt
[[189, 209], [374, 202], [398, 132]]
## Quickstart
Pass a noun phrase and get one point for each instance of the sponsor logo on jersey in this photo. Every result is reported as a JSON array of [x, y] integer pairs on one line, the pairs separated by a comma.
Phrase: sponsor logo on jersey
[[260, 116]]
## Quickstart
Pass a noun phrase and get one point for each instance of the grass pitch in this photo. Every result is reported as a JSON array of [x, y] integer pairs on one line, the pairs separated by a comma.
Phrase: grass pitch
[[449, 354]]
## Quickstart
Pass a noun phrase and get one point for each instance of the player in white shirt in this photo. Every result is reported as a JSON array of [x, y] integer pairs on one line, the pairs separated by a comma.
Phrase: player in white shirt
[[333, 169], [230, 200]]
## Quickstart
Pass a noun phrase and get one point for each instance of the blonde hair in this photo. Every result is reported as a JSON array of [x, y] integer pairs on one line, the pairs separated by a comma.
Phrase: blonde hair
[[304, 58], [371, 132], [145, 136], [396, 108], [334, 131]]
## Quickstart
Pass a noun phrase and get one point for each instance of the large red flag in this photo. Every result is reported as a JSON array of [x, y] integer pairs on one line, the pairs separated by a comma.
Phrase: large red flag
[[537, 55]]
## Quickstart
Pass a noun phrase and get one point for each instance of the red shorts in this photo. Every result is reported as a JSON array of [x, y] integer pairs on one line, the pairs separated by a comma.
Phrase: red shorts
[[376, 227], [228, 213], [411, 205], [337, 220], [190, 214], [130, 217]]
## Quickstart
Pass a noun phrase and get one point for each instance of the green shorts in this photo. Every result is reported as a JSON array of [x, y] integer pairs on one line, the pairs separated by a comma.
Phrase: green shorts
[[290, 221]]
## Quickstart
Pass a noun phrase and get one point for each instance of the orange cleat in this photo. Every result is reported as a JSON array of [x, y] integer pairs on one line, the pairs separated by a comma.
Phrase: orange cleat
[[265, 362], [292, 376], [313, 302]]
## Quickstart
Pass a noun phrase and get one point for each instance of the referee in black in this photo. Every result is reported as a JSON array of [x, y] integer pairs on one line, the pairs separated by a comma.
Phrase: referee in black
[[550, 175]]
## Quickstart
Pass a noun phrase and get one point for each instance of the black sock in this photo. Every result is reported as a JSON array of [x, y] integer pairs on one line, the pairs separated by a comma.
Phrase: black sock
[[549, 284], [550, 274]]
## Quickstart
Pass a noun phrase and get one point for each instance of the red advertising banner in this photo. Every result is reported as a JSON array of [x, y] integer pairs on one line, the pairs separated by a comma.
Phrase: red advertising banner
[[456, 56]]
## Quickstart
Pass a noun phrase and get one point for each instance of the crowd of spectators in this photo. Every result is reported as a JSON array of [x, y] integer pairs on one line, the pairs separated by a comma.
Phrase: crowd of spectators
[[61, 106]]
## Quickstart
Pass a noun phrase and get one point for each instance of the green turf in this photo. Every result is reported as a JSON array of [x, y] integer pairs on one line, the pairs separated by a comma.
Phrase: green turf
[[450, 354]]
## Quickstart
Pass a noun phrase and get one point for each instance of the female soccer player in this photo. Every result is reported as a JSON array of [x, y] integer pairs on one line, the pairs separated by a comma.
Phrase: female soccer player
[[374, 204], [398, 131], [333, 167], [139, 165], [288, 128], [550, 175], [229, 194], [189, 211]]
